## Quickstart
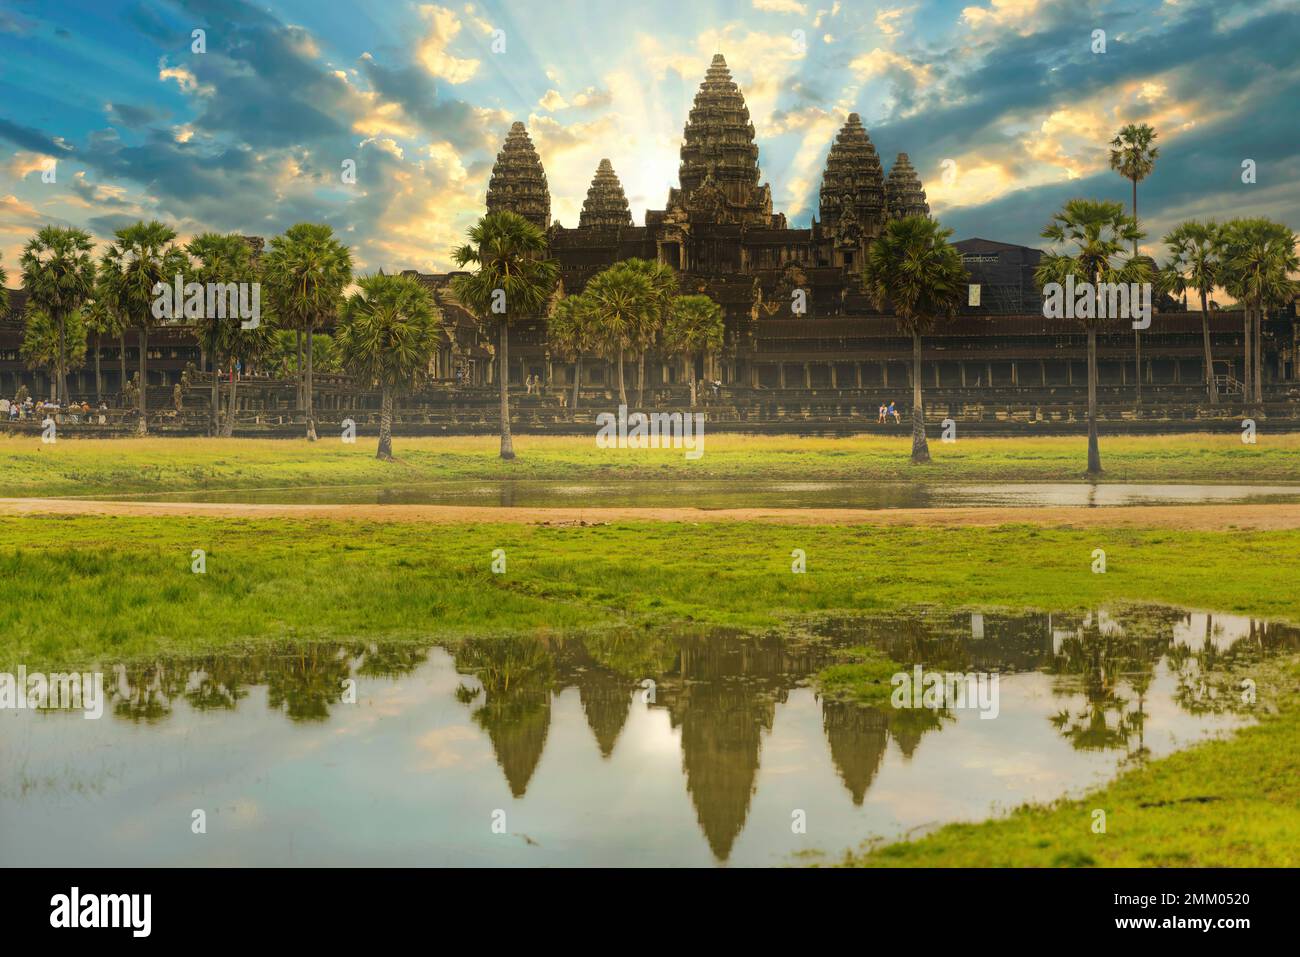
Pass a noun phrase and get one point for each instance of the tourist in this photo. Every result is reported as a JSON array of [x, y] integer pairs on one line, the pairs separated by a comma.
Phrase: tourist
[[893, 410], [883, 414]]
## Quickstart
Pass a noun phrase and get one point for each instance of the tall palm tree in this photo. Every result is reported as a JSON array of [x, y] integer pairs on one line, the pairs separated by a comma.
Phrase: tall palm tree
[[624, 303], [1258, 258], [102, 320], [1193, 247], [388, 335], [220, 258], [1099, 231], [52, 346], [664, 287], [571, 331], [59, 276], [695, 326], [915, 270], [512, 279], [1133, 156], [141, 257], [4, 291], [305, 272]]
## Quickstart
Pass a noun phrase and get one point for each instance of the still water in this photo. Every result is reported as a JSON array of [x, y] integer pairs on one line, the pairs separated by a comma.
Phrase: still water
[[617, 749], [747, 494]]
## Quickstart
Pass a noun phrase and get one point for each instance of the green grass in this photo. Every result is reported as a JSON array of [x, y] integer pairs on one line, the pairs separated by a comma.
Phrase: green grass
[[97, 466], [79, 588], [1232, 802]]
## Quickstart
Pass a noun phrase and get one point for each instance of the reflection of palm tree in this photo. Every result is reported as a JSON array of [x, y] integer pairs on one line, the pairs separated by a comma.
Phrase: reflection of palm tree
[[306, 681]]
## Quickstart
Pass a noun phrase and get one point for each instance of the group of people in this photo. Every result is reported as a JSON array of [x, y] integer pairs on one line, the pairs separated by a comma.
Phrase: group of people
[[533, 384], [27, 408], [887, 410]]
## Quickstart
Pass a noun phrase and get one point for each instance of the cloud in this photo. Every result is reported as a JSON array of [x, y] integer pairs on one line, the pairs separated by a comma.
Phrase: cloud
[[443, 26], [780, 6]]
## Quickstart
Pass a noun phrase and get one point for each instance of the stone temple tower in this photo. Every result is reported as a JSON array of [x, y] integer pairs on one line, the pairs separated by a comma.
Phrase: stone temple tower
[[903, 190], [606, 203], [719, 170], [854, 182], [518, 181]]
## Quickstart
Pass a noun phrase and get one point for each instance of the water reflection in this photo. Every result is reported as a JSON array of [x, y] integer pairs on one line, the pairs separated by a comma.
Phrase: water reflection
[[532, 493], [738, 711]]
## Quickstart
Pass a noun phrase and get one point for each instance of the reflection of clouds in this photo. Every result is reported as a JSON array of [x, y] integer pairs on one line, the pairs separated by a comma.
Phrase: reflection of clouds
[[442, 747], [1225, 630]]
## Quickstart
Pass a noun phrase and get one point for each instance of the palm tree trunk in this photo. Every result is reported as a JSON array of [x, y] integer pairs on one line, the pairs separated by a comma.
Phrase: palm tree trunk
[[99, 378], [1259, 354], [690, 359], [1247, 383], [1094, 453], [640, 380], [232, 401], [215, 401], [622, 392], [385, 426], [61, 364], [920, 448], [309, 389], [503, 382], [297, 335], [577, 378], [1209, 356], [143, 425], [1137, 352], [121, 355]]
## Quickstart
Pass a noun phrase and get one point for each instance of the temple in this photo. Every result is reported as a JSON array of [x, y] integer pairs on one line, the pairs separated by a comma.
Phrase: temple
[[823, 354]]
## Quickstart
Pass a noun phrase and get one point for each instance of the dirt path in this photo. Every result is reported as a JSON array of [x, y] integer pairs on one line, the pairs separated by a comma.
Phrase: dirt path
[[1189, 517]]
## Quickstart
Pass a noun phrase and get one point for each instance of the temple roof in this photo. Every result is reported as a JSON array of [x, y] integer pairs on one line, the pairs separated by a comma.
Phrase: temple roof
[[903, 190], [606, 203], [719, 167], [518, 181], [854, 179]]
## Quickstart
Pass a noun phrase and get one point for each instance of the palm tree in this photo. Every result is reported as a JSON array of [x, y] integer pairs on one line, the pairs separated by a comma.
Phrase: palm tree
[[511, 280], [1099, 231], [4, 292], [1193, 247], [664, 286], [59, 276], [1133, 156], [1257, 259], [101, 319], [220, 259], [141, 257], [306, 271], [388, 334], [695, 326], [624, 303], [571, 331], [51, 346], [915, 270]]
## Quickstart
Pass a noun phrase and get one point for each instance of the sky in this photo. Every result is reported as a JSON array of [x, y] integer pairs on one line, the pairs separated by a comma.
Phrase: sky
[[1005, 108]]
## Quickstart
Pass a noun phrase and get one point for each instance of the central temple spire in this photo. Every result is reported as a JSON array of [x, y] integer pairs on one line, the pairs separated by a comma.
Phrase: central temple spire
[[719, 169]]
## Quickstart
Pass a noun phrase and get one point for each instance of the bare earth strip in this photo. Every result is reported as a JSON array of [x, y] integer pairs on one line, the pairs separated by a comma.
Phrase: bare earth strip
[[1188, 517]]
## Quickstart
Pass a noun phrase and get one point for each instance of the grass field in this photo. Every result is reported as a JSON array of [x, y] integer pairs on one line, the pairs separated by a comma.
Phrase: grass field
[[80, 590], [90, 466]]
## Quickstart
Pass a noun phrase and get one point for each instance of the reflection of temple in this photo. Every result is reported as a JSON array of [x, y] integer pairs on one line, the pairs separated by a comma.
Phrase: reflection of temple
[[858, 737], [723, 694]]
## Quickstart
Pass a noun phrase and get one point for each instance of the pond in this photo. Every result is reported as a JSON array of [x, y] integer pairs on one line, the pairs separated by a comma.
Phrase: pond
[[623, 748], [747, 494]]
